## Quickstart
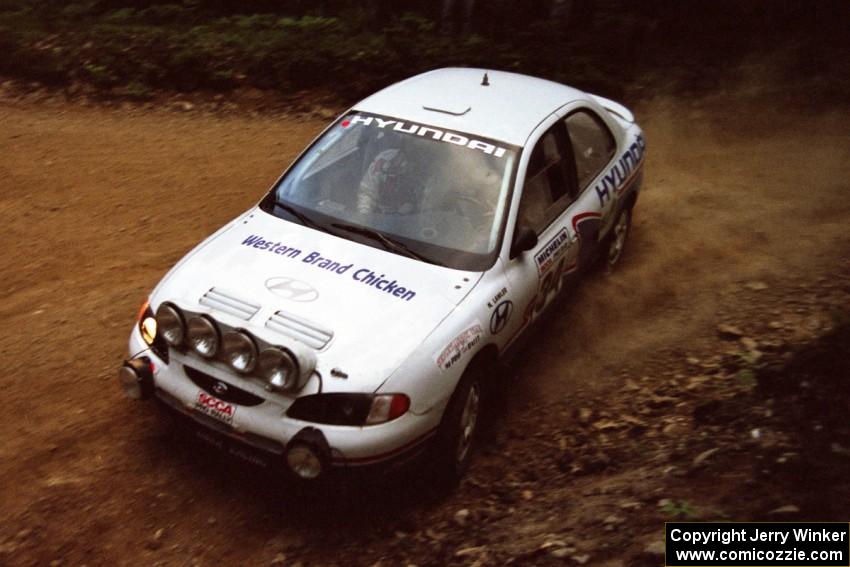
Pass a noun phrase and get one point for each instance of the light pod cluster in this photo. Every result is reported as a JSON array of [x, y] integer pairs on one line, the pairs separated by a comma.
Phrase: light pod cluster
[[282, 368]]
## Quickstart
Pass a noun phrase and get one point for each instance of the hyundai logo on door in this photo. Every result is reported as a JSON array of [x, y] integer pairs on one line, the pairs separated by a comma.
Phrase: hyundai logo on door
[[499, 317], [292, 289]]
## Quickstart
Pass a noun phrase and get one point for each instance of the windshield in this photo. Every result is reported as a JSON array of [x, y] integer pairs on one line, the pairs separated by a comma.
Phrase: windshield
[[429, 193]]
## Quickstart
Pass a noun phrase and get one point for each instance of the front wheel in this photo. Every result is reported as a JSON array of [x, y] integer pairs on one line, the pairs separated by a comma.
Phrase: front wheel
[[617, 238], [458, 430]]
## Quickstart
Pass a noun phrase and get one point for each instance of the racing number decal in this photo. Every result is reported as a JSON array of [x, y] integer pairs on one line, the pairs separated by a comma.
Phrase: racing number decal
[[553, 280], [552, 283]]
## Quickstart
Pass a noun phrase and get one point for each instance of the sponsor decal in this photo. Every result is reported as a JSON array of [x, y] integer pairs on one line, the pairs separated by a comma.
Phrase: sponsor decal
[[500, 316], [273, 247], [247, 455], [210, 438], [213, 407], [231, 448], [552, 250], [552, 281], [382, 283], [459, 346], [425, 131], [502, 293], [614, 180], [297, 290], [292, 289]]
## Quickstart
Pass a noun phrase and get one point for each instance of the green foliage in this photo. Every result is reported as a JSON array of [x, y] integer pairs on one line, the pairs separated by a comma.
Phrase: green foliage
[[746, 377], [352, 47], [133, 91], [679, 510], [748, 363]]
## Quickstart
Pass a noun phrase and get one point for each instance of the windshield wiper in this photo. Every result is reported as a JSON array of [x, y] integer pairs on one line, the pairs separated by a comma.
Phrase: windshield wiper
[[305, 220], [388, 243]]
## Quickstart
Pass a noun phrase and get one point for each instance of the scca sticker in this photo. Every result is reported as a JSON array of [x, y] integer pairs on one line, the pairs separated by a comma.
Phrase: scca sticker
[[213, 407], [459, 346], [553, 249]]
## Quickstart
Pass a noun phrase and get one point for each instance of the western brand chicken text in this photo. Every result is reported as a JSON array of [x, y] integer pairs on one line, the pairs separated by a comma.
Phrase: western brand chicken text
[[365, 276]]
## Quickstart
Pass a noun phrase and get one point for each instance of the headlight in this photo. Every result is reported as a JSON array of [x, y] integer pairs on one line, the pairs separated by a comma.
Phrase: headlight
[[202, 335], [349, 409], [279, 369], [170, 324], [239, 351], [332, 409]]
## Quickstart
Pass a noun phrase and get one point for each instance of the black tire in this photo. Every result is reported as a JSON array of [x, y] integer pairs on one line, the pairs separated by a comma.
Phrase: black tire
[[615, 243], [455, 440]]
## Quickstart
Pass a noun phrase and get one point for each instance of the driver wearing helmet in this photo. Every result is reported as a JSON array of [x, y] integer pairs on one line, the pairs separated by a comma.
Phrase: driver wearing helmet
[[387, 186]]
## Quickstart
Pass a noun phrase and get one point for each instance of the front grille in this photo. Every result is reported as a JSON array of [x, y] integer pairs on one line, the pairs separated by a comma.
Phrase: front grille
[[309, 333], [227, 302], [233, 394]]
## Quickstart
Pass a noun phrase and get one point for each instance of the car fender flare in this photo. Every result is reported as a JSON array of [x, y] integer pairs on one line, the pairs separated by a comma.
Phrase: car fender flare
[[487, 356]]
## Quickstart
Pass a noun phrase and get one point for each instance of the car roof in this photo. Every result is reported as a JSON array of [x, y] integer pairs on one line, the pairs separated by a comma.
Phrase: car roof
[[508, 109]]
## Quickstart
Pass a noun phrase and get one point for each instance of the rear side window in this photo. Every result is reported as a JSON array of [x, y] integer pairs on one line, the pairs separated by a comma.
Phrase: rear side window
[[593, 145]]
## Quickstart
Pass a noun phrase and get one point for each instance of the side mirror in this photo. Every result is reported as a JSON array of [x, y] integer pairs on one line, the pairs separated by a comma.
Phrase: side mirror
[[524, 239]]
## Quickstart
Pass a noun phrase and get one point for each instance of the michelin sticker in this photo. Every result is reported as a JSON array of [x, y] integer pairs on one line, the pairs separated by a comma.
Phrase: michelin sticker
[[459, 346], [553, 250]]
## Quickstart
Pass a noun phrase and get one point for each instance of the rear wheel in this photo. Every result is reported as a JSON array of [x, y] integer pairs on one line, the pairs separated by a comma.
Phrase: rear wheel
[[617, 238]]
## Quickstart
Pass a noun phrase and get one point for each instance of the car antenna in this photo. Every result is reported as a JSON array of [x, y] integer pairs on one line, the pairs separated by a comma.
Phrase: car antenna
[[485, 82]]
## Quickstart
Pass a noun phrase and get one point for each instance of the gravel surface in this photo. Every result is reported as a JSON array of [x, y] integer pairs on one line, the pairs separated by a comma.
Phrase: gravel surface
[[675, 388]]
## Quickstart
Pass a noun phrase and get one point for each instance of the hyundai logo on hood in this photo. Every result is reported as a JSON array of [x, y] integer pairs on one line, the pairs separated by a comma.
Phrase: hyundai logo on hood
[[292, 289]]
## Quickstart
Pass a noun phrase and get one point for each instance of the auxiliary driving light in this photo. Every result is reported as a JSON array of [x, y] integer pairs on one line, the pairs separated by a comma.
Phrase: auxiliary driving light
[[169, 320], [278, 368], [202, 335], [136, 378], [304, 462], [240, 351]]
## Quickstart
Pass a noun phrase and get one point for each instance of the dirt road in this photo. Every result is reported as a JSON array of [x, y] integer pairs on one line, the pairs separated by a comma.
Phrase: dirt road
[[97, 204]]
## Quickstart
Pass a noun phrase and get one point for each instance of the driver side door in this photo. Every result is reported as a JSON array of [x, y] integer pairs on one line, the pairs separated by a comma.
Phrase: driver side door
[[548, 189]]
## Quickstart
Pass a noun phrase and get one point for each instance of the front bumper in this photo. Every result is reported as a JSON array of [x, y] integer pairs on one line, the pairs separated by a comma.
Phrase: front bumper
[[258, 430]]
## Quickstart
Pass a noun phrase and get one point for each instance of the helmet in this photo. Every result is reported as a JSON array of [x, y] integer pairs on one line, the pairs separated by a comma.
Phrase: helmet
[[385, 185]]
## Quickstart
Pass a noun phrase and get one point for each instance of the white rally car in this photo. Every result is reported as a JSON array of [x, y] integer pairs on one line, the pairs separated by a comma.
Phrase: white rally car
[[352, 316]]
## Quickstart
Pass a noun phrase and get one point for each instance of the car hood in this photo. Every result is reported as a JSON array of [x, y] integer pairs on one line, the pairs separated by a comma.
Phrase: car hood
[[376, 306]]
